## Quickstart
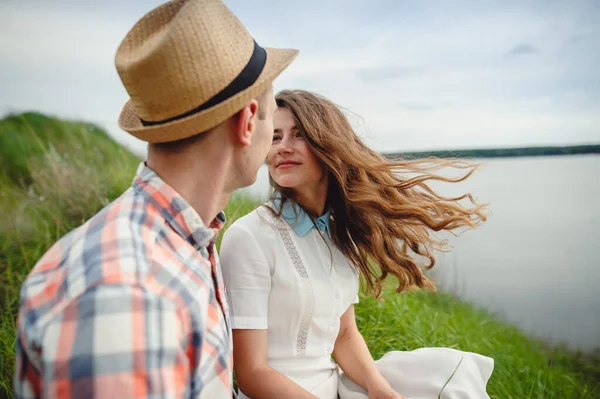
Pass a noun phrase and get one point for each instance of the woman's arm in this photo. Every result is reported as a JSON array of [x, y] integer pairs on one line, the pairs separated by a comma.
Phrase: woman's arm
[[247, 276], [254, 377], [353, 356]]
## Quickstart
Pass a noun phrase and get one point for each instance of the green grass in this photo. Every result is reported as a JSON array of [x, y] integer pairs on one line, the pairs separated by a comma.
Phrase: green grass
[[524, 367], [56, 174]]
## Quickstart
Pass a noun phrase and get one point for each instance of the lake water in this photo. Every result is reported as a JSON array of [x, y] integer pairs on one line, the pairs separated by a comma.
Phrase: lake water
[[536, 261]]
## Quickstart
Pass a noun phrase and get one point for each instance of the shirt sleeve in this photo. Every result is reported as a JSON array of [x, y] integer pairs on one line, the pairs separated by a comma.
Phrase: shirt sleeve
[[247, 278], [112, 341]]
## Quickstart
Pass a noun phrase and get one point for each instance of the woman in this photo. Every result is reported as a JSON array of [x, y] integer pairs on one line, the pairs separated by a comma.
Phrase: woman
[[340, 212]]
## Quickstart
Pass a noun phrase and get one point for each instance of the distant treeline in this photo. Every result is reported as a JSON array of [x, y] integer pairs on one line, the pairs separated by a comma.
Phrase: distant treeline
[[500, 152]]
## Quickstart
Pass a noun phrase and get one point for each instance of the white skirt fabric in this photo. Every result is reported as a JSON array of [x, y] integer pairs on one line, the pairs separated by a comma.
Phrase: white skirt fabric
[[419, 374], [425, 373]]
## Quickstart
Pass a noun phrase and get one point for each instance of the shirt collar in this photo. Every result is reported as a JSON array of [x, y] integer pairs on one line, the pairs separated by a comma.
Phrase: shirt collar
[[175, 209], [299, 220]]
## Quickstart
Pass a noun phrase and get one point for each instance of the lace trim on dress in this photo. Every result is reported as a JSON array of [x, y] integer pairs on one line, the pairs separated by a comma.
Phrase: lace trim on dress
[[306, 285]]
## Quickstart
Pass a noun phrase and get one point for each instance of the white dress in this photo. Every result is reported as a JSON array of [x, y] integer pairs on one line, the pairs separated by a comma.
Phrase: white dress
[[295, 283]]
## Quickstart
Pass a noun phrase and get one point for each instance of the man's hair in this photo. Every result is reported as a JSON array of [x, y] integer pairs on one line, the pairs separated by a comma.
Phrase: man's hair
[[261, 106], [179, 145]]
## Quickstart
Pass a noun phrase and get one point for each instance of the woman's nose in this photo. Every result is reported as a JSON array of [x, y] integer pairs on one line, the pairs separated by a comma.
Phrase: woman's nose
[[285, 145]]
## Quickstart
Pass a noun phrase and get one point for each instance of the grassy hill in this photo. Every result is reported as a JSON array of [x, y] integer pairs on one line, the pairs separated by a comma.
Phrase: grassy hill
[[56, 174]]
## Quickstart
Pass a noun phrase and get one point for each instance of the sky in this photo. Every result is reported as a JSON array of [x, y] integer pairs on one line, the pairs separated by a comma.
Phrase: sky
[[413, 75]]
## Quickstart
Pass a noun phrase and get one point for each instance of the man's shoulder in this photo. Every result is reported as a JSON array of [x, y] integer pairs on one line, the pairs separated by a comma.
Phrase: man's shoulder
[[114, 246], [115, 229]]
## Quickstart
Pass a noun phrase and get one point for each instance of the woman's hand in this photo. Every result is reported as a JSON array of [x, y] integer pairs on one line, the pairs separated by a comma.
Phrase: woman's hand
[[352, 354], [385, 393]]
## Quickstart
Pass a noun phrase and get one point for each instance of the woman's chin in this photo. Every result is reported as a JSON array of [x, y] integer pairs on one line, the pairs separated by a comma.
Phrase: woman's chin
[[286, 182]]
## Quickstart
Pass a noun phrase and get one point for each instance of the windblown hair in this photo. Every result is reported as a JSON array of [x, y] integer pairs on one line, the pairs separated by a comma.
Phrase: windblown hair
[[383, 211]]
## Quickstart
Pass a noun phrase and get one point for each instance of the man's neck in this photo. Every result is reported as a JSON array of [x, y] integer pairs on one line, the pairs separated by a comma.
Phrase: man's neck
[[199, 179]]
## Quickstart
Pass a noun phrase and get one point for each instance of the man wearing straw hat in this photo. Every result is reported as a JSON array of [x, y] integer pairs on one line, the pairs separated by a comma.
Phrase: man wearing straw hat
[[132, 303]]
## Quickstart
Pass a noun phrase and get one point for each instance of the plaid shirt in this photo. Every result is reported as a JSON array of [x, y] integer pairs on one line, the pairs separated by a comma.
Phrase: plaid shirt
[[129, 305]]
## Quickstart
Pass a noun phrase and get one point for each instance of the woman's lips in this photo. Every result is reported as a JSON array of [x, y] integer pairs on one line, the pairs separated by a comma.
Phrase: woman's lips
[[287, 164]]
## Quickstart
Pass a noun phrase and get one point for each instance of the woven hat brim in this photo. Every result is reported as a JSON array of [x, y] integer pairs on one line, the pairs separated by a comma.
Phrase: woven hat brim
[[129, 120]]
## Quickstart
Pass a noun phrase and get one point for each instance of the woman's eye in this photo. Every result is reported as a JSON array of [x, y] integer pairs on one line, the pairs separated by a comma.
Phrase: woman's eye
[[299, 135], [276, 138]]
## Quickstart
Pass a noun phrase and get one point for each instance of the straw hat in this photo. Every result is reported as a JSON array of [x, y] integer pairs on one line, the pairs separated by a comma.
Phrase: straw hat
[[189, 65]]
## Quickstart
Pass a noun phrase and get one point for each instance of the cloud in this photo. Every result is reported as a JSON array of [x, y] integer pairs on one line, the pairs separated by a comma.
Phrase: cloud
[[421, 75], [390, 72], [416, 106], [522, 49]]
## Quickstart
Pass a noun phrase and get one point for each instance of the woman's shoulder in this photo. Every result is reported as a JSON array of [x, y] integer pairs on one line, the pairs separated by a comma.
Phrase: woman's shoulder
[[250, 234], [260, 223]]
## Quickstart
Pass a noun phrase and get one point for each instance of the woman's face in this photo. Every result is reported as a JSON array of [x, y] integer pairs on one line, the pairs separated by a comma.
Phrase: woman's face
[[290, 160]]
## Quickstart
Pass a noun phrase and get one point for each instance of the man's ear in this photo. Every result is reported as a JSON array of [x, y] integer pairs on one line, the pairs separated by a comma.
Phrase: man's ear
[[246, 123]]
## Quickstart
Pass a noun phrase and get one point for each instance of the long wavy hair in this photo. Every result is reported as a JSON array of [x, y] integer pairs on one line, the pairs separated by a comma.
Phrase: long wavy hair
[[383, 211]]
